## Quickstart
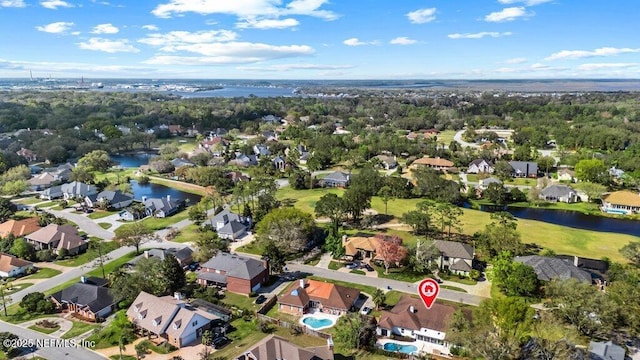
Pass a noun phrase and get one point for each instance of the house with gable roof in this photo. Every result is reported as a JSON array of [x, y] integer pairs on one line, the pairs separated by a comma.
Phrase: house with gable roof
[[88, 299], [454, 256], [77, 190], [238, 274], [606, 351], [275, 347], [306, 295], [337, 179], [524, 169], [549, 268], [11, 266], [112, 199], [57, 237], [480, 166], [559, 193], [229, 225], [19, 227]]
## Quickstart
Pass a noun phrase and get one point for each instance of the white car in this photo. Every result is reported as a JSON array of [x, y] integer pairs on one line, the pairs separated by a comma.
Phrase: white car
[[365, 310]]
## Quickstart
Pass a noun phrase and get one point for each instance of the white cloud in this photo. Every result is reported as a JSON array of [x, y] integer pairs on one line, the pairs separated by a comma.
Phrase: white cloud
[[604, 51], [422, 16], [290, 67], [268, 23], [173, 39], [150, 27], [507, 14], [108, 46], [518, 60], [402, 40], [56, 27], [479, 35], [12, 3], [245, 8], [526, 2], [357, 42], [71, 69], [105, 29], [55, 4], [606, 66]]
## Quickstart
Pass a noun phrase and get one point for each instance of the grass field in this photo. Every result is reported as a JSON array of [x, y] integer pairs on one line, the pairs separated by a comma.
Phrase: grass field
[[561, 239], [43, 273], [44, 330], [104, 225], [187, 234], [446, 137], [16, 288], [107, 247], [29, 201], [155, 223], [79, 328], [182, 186], [99, 214]]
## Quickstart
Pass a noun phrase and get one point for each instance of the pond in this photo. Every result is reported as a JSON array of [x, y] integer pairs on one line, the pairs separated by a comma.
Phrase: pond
[[132, 160], [158, 191], [578, 220]]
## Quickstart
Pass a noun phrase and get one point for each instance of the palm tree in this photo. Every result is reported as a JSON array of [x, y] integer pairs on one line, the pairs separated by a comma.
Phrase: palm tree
[[121, 343], [379, 297]]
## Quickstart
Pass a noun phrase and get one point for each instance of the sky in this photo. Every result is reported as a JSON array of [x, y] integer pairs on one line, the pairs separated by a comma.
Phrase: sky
[[320, 39]]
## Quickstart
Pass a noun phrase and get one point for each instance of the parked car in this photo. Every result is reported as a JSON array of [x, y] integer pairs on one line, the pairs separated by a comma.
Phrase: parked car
[[260, 299], [365, 310], [194, 266], [368, 267], [351, 266], [220, 342]]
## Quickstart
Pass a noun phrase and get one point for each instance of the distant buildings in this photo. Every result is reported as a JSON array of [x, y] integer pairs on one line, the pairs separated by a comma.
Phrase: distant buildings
[[336, 179], [433, 163]]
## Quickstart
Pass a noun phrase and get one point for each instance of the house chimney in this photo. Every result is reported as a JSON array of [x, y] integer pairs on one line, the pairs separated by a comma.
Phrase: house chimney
[[576, 261], [330, 343], [144, 199], [83, 279], [302, 284], [177, 295], [412, 309], [169, 198], [146, 254], [344, 239]]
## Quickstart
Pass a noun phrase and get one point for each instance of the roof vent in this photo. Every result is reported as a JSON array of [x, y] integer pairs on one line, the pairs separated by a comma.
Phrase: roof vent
[[412, 309]]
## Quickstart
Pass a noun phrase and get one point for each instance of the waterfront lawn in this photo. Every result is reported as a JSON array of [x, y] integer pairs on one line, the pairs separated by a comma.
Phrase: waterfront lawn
[[179, 185], [43, 273], [79, 328]]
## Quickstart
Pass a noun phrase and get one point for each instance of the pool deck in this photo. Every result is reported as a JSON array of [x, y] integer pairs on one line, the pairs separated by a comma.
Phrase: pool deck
[[423, 347], [319, 315]]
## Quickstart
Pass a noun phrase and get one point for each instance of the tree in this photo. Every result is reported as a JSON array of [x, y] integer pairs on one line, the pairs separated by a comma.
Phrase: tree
[[333, 245], [7, 209], [421, 255], [197, 213], [503, 170], [390, 250], [14, 187], [172, 274], [356, 201], [162, 166], [378, 297], [496, 193], [135, 234], [354, 331], [141, 349], [275, 258], [97, 160], [386, 195], [122, 340], [592, 170], [289, 229], [81, 174], [420, 218], [208, 244], [592, 190], [331, 206], [4, 298], [501, 235], [6, 339], [36, 302], [631, 251], [546, 163], [533, 195], [23, 249], [515, 278], [448, 216]]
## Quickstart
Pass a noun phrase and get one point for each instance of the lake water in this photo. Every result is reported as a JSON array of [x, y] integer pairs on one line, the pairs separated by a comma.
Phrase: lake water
[[159, 191], [240, 91], [132, 160]]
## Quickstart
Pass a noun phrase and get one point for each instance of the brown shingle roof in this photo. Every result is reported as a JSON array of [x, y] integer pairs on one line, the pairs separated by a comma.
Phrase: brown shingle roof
[[19, 227], [353, 244], [8, 262], [328, 294], [433, 162], [625, 198], [147, 309], [53, 233], [437, 318], [274, 347]]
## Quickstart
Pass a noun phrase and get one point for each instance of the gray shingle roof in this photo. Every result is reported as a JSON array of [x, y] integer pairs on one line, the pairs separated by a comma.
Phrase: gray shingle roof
[[95, 297], [224, 217], [454, 249], [548, 268], [232, 227], [557, 191], [114, 196], [606, 351], [460, 265], [77, 188], [161, 204], [337, 176], [236, 266], [525, 167]]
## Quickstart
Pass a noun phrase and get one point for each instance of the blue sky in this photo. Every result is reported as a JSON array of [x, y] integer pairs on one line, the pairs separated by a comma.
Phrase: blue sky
[[320, 39]]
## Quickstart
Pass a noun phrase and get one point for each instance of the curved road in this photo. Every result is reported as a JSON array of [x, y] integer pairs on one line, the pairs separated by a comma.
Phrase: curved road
[[85, 224]]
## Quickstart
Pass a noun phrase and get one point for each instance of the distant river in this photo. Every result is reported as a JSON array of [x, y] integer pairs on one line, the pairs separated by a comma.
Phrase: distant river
[[132, 160], [226, 92]]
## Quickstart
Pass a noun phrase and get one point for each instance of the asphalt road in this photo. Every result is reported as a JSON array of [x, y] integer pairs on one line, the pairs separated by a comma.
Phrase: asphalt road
[[402, 286], [51, 352]]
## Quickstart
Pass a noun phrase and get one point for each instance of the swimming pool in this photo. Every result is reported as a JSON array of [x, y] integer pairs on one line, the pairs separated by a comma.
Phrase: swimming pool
[[396, 347], [616, 211], [318, 322]]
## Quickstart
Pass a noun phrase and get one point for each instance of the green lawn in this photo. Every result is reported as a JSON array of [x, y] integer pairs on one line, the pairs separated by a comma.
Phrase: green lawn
[[157, 349], [104, 225], [400, 274], [110, 267], [16, 288], [187, 234], [357, 272], [44, 330], [239, 301], [155, 223], [16, 315], [473, 178], [182, 186], [335, 265], [454, 288], [99, 214], [304, 200], [112, 175], [43, 273], [124, 357], [446, 136], [255, 248], [107, 247], [47, 204], [521, 181], [29, 201], [79, 328]]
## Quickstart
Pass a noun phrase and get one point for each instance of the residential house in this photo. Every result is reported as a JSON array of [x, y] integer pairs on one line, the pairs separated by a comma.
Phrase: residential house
[[388, 162], [409, 318], [302, 151], [85, 300], [237, 176], [176, 130], [559, 193], [180, 162], [218, 132], [621, 202], [306, 295], [433, 163], [222, 312], [360, 246], [111, 199], [161, 207], [244, 160], [27, 154], [480, 166], [183, 255], [566, 174], [484, 183], [337, 179], [455, 256], [11, 266], [261, 150], [57, 237], [42, 181], [215, 145], [54, 192], [597, 268], [239, 274], [615, 172], [279, 163], [274, 347], [229, 225], [272, 119], [35, 169], [606, 351], [524, 169], [169, 318], [77, 190], [19, 228], [270, 135], [549, 268]]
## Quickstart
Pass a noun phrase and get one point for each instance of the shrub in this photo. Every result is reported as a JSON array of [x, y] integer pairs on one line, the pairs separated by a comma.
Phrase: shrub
[[44, 255], [143, 180]]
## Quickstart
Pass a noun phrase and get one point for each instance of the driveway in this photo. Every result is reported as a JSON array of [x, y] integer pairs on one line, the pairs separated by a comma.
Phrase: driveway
[[85, 224]]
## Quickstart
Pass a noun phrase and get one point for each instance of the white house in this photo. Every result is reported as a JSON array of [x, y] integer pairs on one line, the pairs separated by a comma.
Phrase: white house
[[480, 166], [229, 225], [11, 266]]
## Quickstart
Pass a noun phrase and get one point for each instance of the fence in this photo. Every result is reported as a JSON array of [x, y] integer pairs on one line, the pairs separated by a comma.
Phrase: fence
[[288, 325]]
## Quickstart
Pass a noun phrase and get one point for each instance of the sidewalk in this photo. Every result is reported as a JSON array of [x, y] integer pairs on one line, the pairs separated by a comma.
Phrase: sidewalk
[[324, 261]]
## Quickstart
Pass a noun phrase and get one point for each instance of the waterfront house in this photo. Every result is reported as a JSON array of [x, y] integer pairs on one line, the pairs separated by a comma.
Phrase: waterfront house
[[109, 199], [433, 163], [77, 190], [238, 274], [180, 162], [274, 347], [19, 228], [409, 318], [11, 266], [559, 193], [169, 318], [304, 295], [524, 169], [455, 256], [86, 299], [480, 166], [621, 202], [229, 225], [549, 268], [484, 183], [161, 207], [337, 179], [57, 237]]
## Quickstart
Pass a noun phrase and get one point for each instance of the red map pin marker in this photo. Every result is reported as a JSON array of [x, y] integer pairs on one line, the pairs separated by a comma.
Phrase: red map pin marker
[[428, 291]]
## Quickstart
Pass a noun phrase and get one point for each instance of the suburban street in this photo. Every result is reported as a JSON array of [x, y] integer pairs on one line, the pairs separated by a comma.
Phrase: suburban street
[[85, 224]]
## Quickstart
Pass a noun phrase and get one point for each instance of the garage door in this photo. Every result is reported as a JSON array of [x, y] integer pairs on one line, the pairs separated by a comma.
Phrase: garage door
[[189, 339]]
